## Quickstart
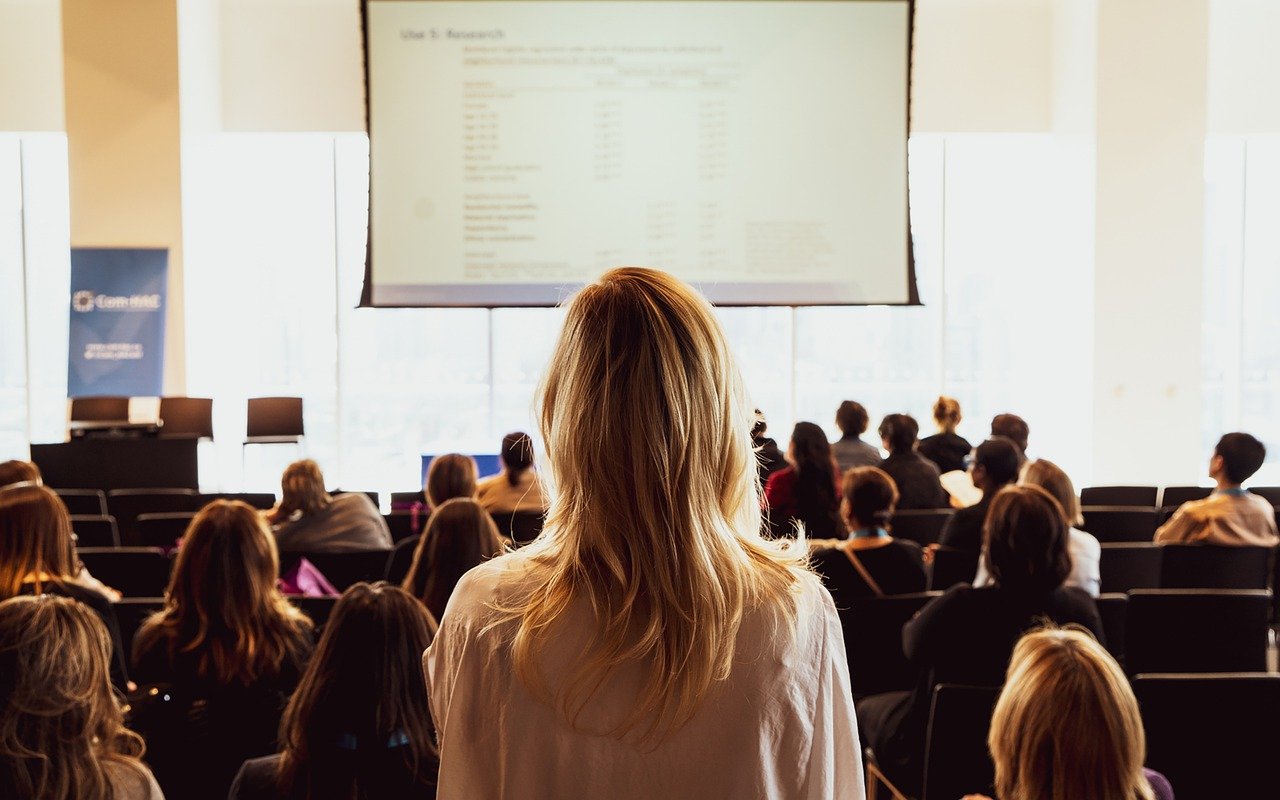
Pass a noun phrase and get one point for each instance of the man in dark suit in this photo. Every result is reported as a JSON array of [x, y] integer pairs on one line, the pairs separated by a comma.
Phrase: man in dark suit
[[995, 465]]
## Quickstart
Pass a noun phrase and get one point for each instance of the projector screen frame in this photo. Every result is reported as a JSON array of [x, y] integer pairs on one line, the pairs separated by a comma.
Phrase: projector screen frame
[[513, 290]]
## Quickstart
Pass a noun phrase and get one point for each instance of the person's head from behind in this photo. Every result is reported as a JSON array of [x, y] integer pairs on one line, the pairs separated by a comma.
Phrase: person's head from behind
[[35, 538], [868, 497], [14, 471], [809, 448], [946, 413], [363, 693], [1236, 457], [517, 455], [758, 424], [899, 432], [302, 489], [1067, 725], [459, 535], [61, 728], [995, 464], [223, 603], [1050, 477], [449, 476], [851, 418], [1026, 540], [1012, 427]]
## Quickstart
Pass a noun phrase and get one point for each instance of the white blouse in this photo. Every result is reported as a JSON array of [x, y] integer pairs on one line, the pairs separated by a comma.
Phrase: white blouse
[[781, 726]]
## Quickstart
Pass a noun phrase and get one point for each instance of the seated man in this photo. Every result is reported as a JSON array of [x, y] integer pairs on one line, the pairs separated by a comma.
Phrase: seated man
[[1230, 515], [1013, 428], [995, 465]]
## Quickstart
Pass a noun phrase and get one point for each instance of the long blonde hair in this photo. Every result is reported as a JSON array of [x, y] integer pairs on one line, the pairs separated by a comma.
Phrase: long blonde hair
[[655, 517], [1066, 725]]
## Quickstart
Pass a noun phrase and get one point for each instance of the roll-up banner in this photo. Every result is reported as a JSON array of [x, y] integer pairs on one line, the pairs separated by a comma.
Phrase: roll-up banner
[[117, 321]]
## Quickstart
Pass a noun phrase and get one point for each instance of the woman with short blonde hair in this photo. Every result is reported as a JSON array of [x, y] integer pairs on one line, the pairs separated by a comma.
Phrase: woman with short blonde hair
[[637, 648]]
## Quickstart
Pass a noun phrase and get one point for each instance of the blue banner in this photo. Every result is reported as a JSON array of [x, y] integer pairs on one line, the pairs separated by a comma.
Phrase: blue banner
[[117, 321]]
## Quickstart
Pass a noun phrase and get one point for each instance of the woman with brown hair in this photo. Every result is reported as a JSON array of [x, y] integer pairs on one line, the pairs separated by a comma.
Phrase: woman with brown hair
[[946, 448], [62, 735], [308, 518], [358, 727], [228, 644], [450, 475], [459, 535]]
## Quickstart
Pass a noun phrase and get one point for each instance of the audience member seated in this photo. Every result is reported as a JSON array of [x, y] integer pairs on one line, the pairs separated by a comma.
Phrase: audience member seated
[[62, 735], [1012, 427], [460, 535], [1231, 515], [1067, 725], [995, 466], [806, 492], [14, 471], [516, 487], [651, 643], [967, 635], [871, 563], [229, 649], [359, 725], [450, 475], [769, 458], [851, 451], [37, 556], [916, 477], [308, 519], [946, 448]]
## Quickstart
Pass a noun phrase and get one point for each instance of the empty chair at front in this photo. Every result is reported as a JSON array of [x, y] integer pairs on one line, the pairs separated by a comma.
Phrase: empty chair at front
[[1119, 496], [273, 419], [1121, 523], [100, 409], [1197, 630], [186, 417], [1206, 566]]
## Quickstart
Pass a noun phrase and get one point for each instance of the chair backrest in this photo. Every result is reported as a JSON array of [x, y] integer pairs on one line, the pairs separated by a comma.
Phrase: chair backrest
[[1271, 493], [1197, 630], [1121, 523], [130, 613], [404, 524], [403, 500], [374, 496], [163, 530], [126, 504], [96, 530], [342, 569], [1206, 566], [1113, 609], [922, 526], [274, 417], [1119, 496], [951, 566], [873, 641], [186, 417], [1130, 565], [1212, 736], [401, 559], [133, 571], [1177, 495], [84, 502], [259, 500], [520, 527], [956, 761], [318, 609], [99, 409]]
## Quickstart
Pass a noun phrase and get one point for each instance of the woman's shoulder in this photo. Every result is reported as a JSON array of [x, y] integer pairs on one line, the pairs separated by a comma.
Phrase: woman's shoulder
[[256, 779], [132, 781], [488, 585]]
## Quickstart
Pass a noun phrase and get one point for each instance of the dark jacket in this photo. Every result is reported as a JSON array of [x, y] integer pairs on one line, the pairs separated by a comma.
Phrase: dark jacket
[[918, 481], [946, 450]]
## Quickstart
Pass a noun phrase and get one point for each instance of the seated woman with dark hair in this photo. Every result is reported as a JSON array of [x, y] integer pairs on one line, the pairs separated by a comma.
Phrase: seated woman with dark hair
[[359, 725], [460, 535], [806, 492], [918, 479], [308, 518], [229, 646], [967, 635], [516, 487], [871, 563]]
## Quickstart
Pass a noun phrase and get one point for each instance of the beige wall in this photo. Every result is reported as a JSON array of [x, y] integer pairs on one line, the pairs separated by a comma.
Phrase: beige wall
[[30, 65]]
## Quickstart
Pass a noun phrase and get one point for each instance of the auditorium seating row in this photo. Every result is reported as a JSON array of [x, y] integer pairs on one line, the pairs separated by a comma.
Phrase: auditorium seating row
[[1156, 497]]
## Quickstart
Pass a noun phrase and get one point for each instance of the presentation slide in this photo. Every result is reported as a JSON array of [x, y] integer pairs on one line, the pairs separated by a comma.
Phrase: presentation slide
[[757, 149]]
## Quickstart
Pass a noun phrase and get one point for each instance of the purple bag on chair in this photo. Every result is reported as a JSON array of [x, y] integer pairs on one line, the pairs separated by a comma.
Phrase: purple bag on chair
[[307, 580]]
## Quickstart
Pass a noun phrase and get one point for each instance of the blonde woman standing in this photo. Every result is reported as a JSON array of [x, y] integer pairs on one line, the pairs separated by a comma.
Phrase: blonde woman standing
[[651, 643]]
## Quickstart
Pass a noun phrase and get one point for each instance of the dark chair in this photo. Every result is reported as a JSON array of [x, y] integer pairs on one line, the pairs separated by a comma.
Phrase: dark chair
[[95, 531], [404, 524], [186, 418], [273, 420], [1121, 523], [1206, 566], [521, 527], [317, 609], [342, 569], [401, 559], [1212, 736], [1271, 493], [403, 500], [126, 504], [873, 641], [922, 526], [130, 613], [1177, 495], [84, 502], [163, 530], [259, 500], [1119, 496], [99, 409], [133, 571], [1113, 608], [1125, 566], [956, 761], [951, 566], [371, 495], [1197, 630]]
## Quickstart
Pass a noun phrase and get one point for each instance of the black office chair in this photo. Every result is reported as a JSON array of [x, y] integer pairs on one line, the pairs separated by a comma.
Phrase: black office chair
[[951, 566], [133, 571], [130, 613], [100, 409], [956, 761], [83, 502], [273, 420], [1213, 736], [1119, 496], [873, 641], [95, 531], [163, 530], [521, 527], [1113, 609], [1197, 630], [1174, 496], [126, 504], [401, 559], [186, 418], [342, 569], [318, 609], [1270, 493], [1121, 523], [404, 524], [1206, 566], [922, 526], [259, 500], [1125, 566]]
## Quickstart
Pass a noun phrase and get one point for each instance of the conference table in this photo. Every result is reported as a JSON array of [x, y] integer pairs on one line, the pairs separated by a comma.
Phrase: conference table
[[119, 463]]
